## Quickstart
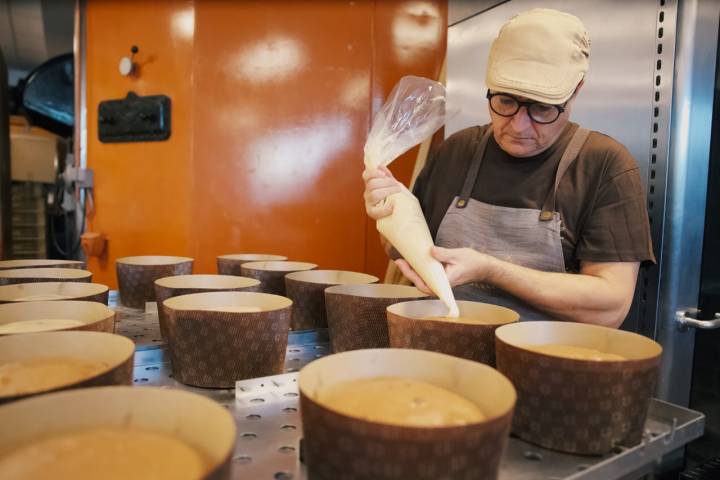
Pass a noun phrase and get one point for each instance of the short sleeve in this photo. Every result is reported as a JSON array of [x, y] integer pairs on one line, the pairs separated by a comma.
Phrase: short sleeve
[[617, 229]]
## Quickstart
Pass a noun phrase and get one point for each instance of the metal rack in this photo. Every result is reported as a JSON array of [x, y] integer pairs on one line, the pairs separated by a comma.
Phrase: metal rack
[[267, 415], [28, 220]]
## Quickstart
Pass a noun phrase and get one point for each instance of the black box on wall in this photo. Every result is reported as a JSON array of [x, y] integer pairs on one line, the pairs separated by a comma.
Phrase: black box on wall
[[134, 119]]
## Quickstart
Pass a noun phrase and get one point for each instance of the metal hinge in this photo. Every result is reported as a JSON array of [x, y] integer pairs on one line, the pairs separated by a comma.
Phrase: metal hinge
[[81, 177]]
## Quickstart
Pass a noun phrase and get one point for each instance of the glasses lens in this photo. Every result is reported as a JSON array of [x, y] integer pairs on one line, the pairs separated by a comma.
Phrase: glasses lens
[[543, 113], [504, 105]]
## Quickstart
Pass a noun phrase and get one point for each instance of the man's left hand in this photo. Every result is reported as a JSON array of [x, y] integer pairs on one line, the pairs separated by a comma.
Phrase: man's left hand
[[464, 265], [600, 294]]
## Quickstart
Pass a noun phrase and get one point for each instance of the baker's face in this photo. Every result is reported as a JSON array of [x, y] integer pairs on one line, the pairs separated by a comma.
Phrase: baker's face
[[521, 137]]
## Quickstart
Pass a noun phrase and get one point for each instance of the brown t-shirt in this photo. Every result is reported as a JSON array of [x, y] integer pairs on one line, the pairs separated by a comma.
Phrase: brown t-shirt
[[600, 198]]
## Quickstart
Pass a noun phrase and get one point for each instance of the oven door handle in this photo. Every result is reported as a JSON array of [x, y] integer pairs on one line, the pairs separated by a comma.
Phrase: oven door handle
[[689, 318]]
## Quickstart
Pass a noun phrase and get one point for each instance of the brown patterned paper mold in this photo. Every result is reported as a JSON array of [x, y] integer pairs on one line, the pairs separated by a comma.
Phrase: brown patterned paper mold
[[33, 275], [177, 285], [230, 264], [356, 314], [218, 338], [136, 276], [40, 263], [307, 291], [65, 315], [338, 445], [34, 292], [200, 423], [574, 405], [421, 324], [272, 274], [39, 363]]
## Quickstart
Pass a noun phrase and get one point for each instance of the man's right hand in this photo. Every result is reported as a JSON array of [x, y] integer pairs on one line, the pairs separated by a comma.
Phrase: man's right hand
[[379, 184]]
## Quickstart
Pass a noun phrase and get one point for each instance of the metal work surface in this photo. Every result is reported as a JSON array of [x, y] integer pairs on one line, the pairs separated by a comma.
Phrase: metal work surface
[[260, 446], [266, 410], [142, 327], [269, 428]]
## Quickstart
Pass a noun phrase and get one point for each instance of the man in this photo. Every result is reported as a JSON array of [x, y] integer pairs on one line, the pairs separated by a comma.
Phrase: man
[[532, 211]]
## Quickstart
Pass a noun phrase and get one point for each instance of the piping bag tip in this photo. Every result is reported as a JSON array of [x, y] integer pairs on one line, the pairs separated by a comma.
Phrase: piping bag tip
[[453, 311]]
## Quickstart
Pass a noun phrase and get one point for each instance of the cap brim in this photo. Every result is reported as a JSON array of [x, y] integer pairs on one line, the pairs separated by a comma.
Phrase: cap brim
[[534, 80]]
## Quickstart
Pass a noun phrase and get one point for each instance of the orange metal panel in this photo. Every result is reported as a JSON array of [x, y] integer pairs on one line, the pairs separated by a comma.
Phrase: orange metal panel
[[281, 114], [271, 106], [142, 197]]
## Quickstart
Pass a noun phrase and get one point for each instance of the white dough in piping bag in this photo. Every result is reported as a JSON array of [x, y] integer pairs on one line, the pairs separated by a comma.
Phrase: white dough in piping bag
[[408, 232], [414, 110]]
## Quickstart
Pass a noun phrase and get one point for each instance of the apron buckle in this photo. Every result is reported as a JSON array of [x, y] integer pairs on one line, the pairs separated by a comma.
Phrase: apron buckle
[[546, 216], [461, 203]]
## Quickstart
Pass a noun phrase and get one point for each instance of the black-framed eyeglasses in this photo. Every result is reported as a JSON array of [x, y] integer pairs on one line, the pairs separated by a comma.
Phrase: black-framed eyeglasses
[[506, 106]]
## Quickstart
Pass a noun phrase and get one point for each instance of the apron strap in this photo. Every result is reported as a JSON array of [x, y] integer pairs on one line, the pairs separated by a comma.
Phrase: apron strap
[[474, 169], [571, 152]]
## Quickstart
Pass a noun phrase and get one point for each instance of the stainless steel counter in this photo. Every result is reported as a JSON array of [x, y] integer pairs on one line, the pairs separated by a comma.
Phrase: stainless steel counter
[[269, 426]]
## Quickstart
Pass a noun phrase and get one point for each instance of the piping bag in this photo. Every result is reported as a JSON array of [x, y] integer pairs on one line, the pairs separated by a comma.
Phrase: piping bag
[[414, 110]]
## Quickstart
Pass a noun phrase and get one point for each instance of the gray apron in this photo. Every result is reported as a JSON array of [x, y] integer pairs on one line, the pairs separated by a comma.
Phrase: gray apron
[[523, 236]]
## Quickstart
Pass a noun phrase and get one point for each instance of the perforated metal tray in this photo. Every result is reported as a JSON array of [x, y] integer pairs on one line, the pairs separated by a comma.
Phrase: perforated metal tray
[[269, 427]]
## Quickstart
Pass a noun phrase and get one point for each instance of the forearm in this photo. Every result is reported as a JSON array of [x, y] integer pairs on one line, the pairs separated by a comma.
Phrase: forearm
[[572, 297]]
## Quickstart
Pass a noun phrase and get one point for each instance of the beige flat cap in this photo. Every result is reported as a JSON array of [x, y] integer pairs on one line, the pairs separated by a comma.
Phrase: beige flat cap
[[541, 54]]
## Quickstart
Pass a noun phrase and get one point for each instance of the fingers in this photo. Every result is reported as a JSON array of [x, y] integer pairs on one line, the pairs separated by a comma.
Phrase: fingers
[[447, 255], [370, 173], [386, 171], [376, 212], [380, 172], [443, 255], [379, 184], [462, 265], [452, 275], [377, 195], [411, 275]]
